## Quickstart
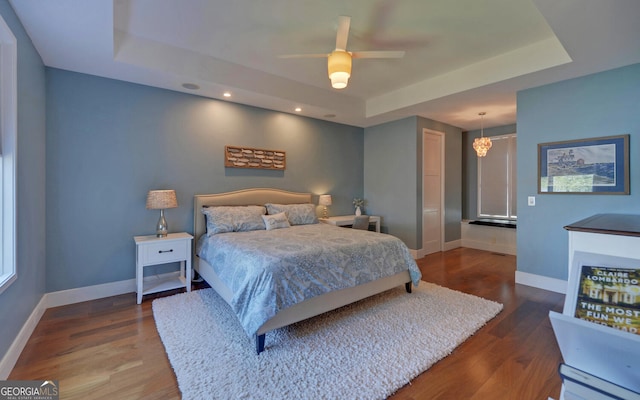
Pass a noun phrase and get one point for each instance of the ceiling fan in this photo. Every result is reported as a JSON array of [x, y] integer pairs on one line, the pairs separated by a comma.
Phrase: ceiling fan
[[339, 60]]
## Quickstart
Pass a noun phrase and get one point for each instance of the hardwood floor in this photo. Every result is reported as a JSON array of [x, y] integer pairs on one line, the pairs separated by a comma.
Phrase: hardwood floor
[[110, 349], [515, 356]]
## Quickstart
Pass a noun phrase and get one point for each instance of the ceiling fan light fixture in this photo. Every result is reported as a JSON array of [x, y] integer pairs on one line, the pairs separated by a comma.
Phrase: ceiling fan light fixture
[[339, 68]]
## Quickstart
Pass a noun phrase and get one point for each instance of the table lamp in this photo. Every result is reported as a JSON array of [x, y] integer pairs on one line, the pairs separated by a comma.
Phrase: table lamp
[[325, 200], [159, 200]]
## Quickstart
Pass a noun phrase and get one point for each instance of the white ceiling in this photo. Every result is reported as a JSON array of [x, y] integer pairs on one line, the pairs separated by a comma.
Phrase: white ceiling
[[462, 56]]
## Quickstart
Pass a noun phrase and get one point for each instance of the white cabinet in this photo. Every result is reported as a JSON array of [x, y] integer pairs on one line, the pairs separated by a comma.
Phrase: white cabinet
[[153, 250], [603, 356], [608, 234]]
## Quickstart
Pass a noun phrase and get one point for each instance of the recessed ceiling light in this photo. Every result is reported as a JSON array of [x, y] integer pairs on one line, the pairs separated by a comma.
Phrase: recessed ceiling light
[[298, 109], [226, 94], [190, 86]]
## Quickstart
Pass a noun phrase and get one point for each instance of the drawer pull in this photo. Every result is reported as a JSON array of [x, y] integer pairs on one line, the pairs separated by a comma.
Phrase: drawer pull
[[165, 251]]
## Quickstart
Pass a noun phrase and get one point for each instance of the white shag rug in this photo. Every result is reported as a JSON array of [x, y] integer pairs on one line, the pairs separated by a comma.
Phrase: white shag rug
[[367, 350]]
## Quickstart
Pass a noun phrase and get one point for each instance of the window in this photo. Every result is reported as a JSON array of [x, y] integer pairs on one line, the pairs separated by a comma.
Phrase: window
[[497, 179], [8, 135]]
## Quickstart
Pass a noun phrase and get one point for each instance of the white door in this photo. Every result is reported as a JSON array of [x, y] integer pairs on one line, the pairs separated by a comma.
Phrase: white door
[[432, 191]]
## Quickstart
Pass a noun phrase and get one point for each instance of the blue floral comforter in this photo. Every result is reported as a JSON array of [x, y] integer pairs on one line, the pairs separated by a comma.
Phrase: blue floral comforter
[[269, 271]]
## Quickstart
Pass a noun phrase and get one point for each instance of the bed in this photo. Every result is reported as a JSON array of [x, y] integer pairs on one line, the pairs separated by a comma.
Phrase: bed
[[327, 295]]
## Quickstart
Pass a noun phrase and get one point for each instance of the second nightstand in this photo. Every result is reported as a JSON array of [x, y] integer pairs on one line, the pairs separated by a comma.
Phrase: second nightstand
[[153, 250], [346, 220]]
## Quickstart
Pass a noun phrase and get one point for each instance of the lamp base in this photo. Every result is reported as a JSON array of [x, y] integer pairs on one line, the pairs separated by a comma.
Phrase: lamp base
[[162, 228]]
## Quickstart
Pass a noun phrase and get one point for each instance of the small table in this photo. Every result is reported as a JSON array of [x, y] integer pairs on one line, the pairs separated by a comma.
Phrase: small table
[[346, 220], [153, 250]]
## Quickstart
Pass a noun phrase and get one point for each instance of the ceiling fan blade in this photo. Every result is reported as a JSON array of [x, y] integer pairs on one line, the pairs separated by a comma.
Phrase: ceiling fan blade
[[343, 32], [377, 54], [318, 55]]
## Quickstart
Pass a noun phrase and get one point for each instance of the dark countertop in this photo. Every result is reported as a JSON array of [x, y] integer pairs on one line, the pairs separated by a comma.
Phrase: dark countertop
[[612, 224]]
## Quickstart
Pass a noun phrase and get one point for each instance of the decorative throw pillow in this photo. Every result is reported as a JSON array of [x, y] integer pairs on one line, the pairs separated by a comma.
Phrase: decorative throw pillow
[[298, 214], [222, 219], [276, 221]]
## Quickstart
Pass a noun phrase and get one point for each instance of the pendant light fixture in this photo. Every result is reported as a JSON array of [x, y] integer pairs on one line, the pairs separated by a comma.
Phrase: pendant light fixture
[[482, 144]]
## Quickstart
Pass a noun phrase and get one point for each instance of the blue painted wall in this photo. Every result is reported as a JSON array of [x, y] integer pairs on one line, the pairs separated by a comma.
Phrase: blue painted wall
[[21, 297], [604, 104], [390, 177], [393, 177], [109, 142]]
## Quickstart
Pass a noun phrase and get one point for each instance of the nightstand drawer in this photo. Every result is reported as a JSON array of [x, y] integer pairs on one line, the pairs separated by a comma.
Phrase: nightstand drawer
[[160, 253]]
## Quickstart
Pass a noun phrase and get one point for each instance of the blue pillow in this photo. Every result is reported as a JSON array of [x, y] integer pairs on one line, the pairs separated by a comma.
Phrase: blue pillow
[[298, 214], [223, 219]]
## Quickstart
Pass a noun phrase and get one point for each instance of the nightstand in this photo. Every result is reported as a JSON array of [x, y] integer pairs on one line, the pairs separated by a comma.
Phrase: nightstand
[[153, 250], [347, 220]]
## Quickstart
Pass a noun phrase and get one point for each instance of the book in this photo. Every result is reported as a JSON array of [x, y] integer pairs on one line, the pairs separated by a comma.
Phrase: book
[[579, 385], [606, 291]]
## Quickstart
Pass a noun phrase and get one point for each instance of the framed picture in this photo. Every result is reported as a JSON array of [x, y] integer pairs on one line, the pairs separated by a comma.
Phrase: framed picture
[[605, 290], [249, 157], [586, 166]]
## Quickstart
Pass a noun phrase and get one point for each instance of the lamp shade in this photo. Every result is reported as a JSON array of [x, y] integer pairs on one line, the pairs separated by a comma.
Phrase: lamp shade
[[324, 200], [339, 68], [161, 199]]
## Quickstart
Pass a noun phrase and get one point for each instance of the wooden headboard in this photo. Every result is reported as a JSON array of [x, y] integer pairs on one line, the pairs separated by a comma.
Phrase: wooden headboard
[[244, 197]]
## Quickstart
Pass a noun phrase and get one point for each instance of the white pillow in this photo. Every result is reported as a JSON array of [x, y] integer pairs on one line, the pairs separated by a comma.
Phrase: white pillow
[[276, 221]]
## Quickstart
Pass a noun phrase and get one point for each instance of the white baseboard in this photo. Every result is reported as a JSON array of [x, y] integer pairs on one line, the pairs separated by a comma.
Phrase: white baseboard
[[541, 282], [454, 244], [11, 357], [78, 295], [56, 299]]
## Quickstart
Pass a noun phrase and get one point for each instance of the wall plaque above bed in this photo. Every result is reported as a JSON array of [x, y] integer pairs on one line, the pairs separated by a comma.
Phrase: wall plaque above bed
[[248, 157]]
